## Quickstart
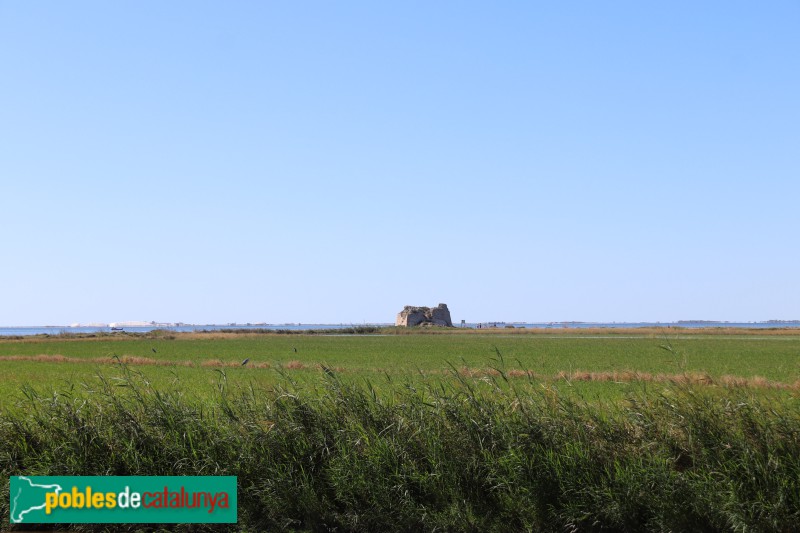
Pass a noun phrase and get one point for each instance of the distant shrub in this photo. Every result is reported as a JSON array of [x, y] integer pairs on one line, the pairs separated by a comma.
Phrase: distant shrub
[[164, 334], [353, 330]]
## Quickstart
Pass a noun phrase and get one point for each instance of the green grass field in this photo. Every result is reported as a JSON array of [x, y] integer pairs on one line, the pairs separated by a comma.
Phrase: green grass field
[[193, 359], [428, 430]]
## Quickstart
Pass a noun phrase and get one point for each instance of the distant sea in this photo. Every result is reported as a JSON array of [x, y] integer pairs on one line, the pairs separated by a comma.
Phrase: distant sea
[[57, 330]]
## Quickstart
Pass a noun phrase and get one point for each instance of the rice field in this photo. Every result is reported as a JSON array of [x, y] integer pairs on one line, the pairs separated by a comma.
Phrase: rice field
[[427, 430], [755, 359]]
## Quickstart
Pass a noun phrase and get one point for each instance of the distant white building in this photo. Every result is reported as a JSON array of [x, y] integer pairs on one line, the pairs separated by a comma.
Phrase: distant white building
[[130, 324]]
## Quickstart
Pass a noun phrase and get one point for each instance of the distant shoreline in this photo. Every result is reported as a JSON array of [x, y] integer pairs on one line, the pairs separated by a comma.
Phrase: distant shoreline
[[580, 328], [518, 323]]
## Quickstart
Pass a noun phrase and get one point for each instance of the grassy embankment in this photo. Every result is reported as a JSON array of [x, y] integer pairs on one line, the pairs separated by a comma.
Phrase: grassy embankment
[[419, 444]]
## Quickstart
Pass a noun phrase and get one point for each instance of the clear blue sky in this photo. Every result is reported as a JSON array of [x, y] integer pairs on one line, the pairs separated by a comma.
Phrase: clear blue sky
[[220, 162]]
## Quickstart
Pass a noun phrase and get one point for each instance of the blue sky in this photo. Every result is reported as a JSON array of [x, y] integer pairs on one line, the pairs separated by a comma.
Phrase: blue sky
[[214, 162]]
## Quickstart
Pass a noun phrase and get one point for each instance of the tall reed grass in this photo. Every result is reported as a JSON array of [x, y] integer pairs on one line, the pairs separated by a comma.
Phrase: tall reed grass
[[463, 454]]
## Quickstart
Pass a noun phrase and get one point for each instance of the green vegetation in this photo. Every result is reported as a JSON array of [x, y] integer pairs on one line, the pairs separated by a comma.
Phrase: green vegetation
[[611, 358], [465, 455], [454, 432]]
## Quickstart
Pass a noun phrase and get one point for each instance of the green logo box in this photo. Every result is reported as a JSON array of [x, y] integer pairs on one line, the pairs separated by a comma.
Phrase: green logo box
[[122, 499]]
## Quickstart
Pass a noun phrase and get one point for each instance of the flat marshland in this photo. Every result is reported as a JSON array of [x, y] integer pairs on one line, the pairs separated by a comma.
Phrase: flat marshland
[[457, 430]]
